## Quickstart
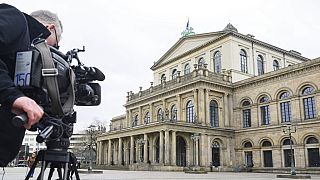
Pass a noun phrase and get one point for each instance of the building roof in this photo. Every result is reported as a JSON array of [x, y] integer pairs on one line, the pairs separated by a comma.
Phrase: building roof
[[207, 39]]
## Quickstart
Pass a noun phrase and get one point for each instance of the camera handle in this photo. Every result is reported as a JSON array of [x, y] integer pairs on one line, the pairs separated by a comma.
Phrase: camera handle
[[20, 120]]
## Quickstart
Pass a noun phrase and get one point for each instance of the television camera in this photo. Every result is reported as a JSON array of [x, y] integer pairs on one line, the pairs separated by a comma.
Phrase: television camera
[[56, 83]]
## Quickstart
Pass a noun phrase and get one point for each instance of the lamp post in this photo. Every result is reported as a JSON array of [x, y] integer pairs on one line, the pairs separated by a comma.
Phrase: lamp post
[[195, 138], [289, 130], [91, 130], [141, 143]]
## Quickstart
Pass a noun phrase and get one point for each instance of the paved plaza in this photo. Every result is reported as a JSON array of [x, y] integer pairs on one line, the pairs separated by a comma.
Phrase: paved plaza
[[18, 173]]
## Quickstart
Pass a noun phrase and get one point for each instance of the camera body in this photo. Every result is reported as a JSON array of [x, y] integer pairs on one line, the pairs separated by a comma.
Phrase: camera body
[[70, 83]]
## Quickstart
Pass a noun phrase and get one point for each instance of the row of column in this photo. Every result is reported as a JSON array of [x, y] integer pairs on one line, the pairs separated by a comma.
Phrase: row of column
[[198, 150], [114, 155], [201, 108]]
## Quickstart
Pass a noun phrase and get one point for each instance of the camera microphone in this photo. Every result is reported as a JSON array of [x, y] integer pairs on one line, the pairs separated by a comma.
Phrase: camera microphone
[[95, 73]]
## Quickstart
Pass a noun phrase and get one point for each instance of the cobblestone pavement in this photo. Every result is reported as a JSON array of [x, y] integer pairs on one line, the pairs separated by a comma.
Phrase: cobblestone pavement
[[18, 173]]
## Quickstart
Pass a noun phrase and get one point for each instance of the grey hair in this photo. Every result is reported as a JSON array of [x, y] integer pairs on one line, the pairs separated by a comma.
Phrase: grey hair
[[47, 17]]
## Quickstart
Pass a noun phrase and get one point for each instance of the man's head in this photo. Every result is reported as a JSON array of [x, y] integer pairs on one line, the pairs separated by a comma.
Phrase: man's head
[[53, 24]]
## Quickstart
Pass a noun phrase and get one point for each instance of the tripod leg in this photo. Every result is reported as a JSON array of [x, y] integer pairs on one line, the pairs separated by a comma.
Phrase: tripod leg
[[32, 168], [44, 165], [65, 173]]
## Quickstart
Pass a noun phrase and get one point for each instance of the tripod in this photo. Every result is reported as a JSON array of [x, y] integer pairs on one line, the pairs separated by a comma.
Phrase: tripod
[[64, 159]]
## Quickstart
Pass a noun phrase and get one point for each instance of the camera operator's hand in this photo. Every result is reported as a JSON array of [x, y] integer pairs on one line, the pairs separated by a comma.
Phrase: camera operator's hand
[[30, 107]]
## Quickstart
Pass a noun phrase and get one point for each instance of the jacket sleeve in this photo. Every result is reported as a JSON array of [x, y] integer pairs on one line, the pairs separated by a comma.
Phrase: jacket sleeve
[[8, 91]]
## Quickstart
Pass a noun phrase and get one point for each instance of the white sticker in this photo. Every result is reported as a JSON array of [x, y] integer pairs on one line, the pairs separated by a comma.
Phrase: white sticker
[[23, 68]]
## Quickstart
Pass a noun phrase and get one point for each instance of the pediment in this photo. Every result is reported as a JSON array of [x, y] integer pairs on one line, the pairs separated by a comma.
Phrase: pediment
[[184, 45]]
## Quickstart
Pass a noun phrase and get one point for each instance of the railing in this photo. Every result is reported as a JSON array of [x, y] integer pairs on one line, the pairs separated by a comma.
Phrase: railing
[[201, 73]]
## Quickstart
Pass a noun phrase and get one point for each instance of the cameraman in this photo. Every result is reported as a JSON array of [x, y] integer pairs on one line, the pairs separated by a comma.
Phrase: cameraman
[[17, 30]]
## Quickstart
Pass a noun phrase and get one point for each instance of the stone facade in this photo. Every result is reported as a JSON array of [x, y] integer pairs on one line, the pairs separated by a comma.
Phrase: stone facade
[[220, 101]]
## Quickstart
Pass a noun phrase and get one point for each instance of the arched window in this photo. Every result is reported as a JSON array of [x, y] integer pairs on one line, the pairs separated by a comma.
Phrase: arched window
[[215, 154], [246, 114], [266, 143], [174, 113], [247, 145], [243, 61], [285, 107], [147, 118], [276, 65], [312, 140], [135, 120], [309, 103], [217, 62], [260, 65], [187, 68], [163, 78], [312, 147], [201, 62], [160, 115], [264, 110], [287, 152], [174, 74], [286, 142], [190, 112], [214, 114]]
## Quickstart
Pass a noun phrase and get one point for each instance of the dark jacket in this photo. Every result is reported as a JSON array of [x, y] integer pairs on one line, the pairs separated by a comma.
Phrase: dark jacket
[[16, 30]]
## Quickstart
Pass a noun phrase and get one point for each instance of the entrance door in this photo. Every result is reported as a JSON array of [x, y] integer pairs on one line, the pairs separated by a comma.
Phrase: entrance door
[[215, 154], [248, 158], [313, 157], [181, 152], [267, 158]]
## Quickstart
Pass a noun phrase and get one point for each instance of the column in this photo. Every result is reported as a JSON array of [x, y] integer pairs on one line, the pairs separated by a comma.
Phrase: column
[[151, 112], [201, 108], [127, 153], [145, 148], [317, 97], [228, 150], [161, 148], [204, 150], [131, 149], [231, 123], [207, 108], [129, 120], [226, 110], [179, 112], [197, 152], [140, 116], [167, 147], [173, 149], [100, 152], [109, 152], [195, 96], [120, 151]]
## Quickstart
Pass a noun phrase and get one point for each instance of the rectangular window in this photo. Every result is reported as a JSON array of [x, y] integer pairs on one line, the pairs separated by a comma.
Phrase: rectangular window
[[287, 157], [265, 115], [285, 108], [246, 114], [309, 108], [267, 158]]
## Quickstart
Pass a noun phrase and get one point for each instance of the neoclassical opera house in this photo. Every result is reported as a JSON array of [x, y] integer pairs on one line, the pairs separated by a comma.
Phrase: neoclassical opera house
[[220, 101]]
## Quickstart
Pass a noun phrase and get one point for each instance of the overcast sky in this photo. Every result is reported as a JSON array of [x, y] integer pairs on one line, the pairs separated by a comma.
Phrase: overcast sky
[[124, 37]]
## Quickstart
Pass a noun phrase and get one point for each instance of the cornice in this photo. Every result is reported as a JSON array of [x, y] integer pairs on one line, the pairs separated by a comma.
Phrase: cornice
[[284, 73]]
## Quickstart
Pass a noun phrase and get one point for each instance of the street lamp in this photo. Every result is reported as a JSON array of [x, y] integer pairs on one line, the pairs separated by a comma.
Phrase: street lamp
[[289, 130], [141, 142], [91, 130], [195, 138]]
